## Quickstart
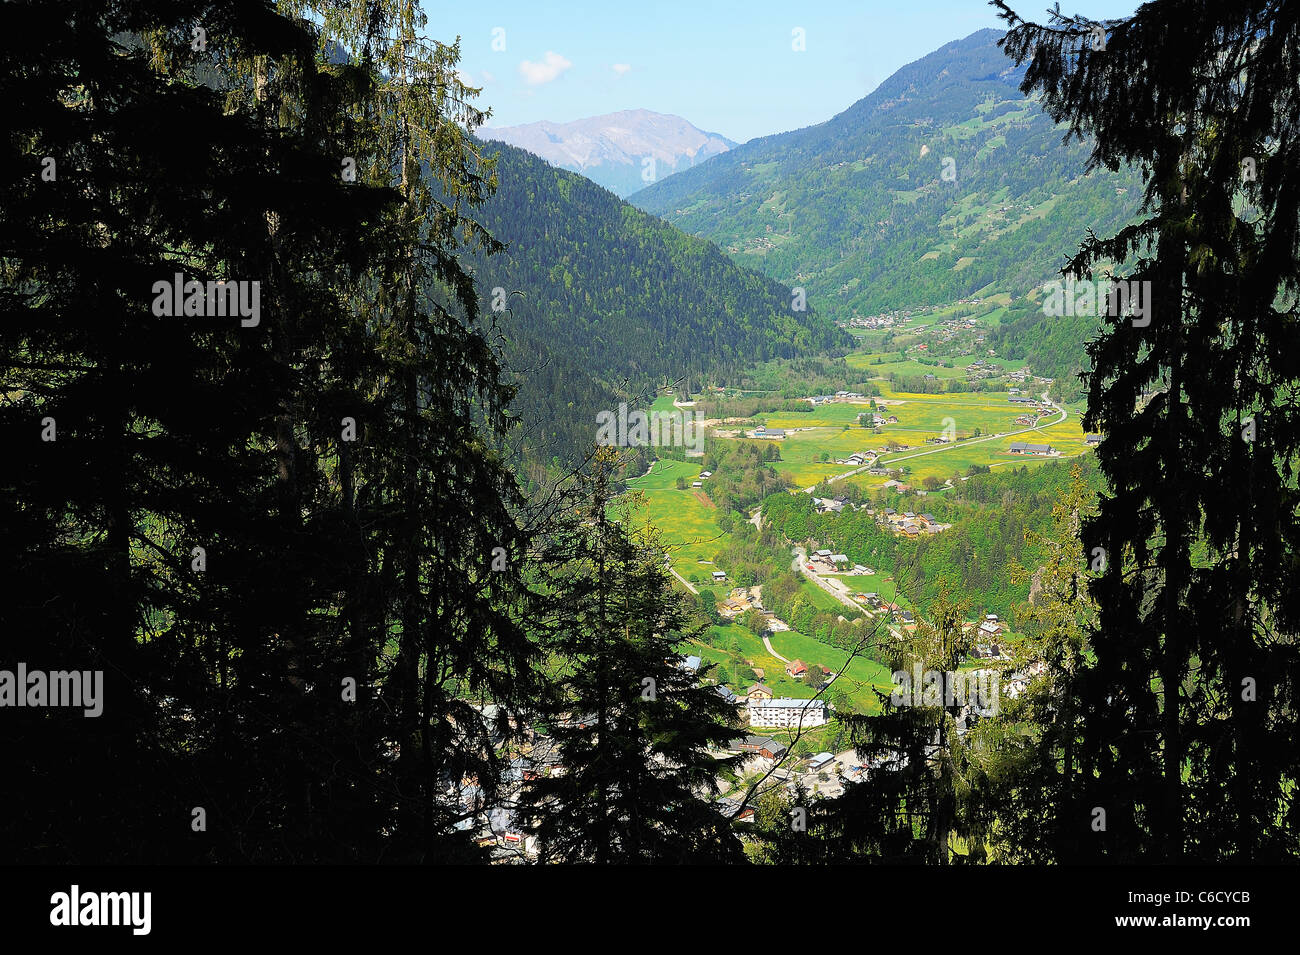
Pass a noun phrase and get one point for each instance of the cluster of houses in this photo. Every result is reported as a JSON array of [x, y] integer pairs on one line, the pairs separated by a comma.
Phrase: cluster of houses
[[832, 505], [879, 420], [742, 599], [982, 368], [825, 561], [989, 632], [877, 321], [875, 602], [911, 524], [839, 396]]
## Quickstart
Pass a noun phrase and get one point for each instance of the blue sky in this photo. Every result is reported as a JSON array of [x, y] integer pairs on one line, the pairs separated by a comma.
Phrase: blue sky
[[728, 67]]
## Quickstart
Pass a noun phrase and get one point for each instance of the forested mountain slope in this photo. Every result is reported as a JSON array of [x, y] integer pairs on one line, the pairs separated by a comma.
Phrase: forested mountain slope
[[863, 210], [614, 300]]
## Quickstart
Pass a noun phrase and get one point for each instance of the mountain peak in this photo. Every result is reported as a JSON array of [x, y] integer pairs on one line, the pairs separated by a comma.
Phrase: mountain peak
[[622, 151]]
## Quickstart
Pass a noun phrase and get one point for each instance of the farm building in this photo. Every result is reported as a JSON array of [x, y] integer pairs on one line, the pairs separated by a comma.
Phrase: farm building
[[1020, 447]]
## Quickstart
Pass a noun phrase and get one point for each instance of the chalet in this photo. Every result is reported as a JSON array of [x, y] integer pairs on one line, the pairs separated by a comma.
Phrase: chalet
[[796, 668], [823, 554], [692, 663], [1092, 440], [759, 692], [758, 745], [892, 419], [727, 693], [705, 475], [719, 575], [697, 484], [838, 559], [773, 750]]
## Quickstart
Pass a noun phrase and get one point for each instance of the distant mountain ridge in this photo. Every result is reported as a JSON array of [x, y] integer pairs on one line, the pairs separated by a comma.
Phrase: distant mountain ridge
[[612, 150]]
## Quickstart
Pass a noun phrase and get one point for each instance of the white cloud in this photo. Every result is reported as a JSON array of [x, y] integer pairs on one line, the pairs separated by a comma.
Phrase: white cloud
[[621, 68], [552, 65]]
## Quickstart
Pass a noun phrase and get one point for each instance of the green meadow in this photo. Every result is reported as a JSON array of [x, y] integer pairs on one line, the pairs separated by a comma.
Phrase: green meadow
[[685, 519], [858, 681]]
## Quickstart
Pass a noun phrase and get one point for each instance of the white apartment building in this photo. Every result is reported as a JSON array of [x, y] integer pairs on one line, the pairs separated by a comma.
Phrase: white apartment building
[[786, 713]]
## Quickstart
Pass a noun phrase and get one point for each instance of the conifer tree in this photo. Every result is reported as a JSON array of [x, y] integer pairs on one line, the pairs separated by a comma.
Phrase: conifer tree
[[1189, 716], [923, 798], [245, 524], [637, 733], [1041, 789]]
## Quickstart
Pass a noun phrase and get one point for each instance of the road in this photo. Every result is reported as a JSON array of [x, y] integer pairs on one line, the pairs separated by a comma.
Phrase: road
[[948, 447], [684, 581], [801, 564], [768, 643]]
